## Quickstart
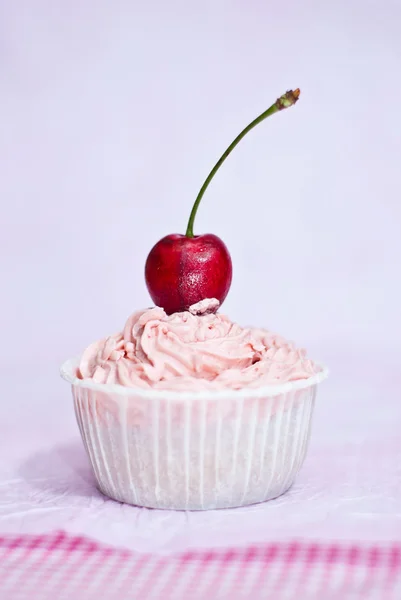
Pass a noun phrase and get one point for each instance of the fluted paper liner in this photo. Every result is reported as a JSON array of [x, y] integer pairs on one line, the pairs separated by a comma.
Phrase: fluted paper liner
[[195, 450]]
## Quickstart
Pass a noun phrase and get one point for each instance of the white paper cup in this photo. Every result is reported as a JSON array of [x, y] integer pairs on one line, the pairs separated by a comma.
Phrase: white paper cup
[[195, 450]]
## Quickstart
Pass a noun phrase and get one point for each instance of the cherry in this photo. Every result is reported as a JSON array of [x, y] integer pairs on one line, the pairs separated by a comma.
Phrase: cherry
[[182, 270]]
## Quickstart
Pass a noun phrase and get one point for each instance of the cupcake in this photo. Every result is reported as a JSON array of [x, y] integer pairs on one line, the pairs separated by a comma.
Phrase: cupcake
[[184, 409], [192, 411]]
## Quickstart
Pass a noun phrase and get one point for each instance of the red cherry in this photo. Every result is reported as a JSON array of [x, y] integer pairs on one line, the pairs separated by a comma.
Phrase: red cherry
[[181, 271]]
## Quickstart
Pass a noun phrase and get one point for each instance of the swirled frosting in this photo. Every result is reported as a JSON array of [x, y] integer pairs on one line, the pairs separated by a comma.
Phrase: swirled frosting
[[193, 350]]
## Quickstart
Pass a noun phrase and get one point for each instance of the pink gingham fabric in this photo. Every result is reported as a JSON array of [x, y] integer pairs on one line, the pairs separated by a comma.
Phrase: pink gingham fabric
[[58, 567]]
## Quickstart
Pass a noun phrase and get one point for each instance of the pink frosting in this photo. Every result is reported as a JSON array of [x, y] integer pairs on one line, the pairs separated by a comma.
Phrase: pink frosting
[[195, 350]]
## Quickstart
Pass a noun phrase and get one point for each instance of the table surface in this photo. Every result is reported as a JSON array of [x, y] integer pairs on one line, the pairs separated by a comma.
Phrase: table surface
[[349, 489], [59, 566]]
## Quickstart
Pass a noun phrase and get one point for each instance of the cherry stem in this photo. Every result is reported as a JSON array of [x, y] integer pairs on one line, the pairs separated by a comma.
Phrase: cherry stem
[[285, 101]]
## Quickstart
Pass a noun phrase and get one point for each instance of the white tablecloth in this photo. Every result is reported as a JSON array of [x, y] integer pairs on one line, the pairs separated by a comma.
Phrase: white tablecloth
[[349, 488]]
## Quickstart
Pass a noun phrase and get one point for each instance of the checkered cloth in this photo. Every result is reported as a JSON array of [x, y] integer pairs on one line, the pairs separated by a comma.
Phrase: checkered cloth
[[58, 567]]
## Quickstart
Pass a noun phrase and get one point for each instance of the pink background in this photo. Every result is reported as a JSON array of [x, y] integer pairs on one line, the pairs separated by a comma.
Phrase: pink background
[[112, 114]]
